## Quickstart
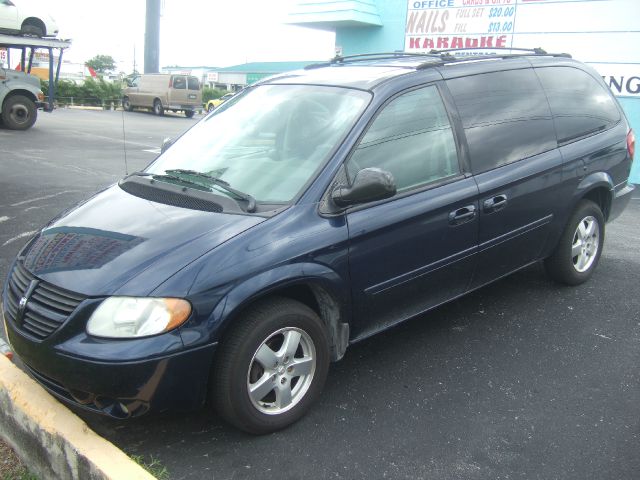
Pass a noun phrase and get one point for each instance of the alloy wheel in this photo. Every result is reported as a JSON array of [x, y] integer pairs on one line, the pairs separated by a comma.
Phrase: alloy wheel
[[281, 371], [586, 241]]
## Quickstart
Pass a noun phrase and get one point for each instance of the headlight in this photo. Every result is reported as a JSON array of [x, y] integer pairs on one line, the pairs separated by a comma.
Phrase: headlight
[[127, 317]]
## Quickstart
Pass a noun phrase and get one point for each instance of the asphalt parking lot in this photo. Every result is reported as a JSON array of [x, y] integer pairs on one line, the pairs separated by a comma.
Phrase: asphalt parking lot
[[521, 379]]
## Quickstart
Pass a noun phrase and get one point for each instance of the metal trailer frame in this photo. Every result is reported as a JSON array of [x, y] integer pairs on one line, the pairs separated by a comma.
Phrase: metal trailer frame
[[32, 44]]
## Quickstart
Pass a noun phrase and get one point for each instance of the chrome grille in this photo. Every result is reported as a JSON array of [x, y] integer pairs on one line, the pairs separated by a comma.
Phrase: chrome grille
[[47, 307]]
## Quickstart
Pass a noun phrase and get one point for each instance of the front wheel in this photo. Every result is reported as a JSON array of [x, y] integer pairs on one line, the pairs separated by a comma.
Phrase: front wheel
[[189, 113], [271, 367], [211, 107], [580, 246], [19, 112], [126, 104]]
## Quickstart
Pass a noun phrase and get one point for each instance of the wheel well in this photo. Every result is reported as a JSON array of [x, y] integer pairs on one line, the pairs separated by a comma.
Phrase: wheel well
[[321, 302], [26, 93], [35, 22], [601, 196]]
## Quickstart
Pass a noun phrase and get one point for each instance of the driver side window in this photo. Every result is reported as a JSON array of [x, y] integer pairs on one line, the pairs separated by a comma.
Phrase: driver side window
[[412, 139]]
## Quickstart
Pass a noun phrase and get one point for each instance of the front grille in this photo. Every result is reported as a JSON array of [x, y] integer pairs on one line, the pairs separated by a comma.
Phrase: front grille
[[47, 307]]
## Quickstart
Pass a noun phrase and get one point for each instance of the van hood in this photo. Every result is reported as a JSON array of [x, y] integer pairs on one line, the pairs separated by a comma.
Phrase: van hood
[[101, 246]]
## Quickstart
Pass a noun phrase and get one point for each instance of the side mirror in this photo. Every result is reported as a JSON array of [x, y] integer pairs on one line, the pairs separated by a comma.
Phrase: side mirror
[[369, 185], [166, 143]]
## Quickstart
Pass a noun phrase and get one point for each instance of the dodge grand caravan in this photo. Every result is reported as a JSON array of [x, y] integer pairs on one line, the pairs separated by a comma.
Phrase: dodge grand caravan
[[309, 212]]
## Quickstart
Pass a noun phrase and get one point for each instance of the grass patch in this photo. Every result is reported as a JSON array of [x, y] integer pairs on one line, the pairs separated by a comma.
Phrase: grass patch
[[11, 468], [154, 467]]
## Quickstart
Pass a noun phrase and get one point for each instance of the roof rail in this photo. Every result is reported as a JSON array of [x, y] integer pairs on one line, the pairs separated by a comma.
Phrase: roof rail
[[535, 51], [362, 57], [446, 56]]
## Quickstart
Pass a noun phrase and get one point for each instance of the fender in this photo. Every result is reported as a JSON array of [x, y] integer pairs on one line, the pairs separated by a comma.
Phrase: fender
[[592, 181], [595, 179], [329, 288]]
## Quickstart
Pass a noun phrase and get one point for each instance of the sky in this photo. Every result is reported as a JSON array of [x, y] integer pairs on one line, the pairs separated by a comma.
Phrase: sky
[[192, 32]]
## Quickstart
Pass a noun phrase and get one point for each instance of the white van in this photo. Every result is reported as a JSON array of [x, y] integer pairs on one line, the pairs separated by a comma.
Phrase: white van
[[160, 92]]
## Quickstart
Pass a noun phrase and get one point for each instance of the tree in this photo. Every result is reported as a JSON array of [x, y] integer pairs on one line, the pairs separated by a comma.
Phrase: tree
[[102, 64]]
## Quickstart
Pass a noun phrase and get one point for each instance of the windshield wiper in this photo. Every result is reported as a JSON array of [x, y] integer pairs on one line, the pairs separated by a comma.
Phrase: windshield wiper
[[170, 177], [179, 173]]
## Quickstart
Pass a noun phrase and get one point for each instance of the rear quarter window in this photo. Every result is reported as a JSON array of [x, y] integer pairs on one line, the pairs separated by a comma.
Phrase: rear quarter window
[[505, 116], [580, 105]]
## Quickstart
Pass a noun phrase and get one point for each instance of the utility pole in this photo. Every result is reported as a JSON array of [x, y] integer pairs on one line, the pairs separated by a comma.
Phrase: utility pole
[[152, 37]]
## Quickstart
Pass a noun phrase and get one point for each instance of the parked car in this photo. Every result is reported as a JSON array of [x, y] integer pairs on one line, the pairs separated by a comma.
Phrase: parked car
[[20, 98], [314, 210], [216, 102], [25, 18], [161, 92]]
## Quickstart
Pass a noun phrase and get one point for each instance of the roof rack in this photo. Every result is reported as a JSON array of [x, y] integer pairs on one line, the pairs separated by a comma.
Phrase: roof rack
[[446, 56], [362, 57], [537, 50]]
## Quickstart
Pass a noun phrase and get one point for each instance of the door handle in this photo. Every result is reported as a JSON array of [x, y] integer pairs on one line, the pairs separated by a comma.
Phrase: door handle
[[462, 215], [494, 204]]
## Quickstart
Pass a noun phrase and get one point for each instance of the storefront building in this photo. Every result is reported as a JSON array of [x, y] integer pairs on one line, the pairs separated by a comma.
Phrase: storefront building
[[602, 33]]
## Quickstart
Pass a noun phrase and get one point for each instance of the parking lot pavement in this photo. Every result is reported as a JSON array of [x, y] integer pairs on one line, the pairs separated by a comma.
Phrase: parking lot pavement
[[66, 157], [521, 379]]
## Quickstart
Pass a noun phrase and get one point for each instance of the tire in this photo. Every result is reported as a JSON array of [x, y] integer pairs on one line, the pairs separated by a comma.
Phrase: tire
[[578, 251], [19, 112], [262, 332], [158, 109], [211, 108], [30, 30], [189, 113], [126, 104]]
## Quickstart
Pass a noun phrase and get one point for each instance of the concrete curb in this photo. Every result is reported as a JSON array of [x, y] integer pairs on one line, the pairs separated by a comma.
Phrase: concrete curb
[[50, 439]]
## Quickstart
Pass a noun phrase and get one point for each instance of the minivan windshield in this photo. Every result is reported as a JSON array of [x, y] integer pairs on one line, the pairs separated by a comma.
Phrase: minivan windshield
[[267, 141]]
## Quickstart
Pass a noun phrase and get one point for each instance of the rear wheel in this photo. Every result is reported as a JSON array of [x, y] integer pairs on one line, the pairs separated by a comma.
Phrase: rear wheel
[[189, 113], [580, 246], [271, 367], [158, 109], [19, 112], [32, 30], [211, 107]]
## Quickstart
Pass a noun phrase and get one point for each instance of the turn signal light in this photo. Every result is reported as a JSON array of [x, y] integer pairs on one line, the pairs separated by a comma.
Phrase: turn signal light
[[631, 143]]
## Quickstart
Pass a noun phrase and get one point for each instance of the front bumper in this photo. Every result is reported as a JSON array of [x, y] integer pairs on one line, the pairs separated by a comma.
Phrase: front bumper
[[120, 389]]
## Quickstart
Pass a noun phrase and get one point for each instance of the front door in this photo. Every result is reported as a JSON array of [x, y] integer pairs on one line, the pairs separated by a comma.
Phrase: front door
[[416, 250]]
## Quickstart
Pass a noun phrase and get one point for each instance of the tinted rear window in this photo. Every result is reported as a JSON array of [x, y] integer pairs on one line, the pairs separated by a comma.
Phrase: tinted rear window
[[193, 83], [505, 116], [581, 106]]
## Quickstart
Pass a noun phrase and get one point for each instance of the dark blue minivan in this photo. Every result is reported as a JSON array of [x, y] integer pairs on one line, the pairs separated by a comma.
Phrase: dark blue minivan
[[308, 212]]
